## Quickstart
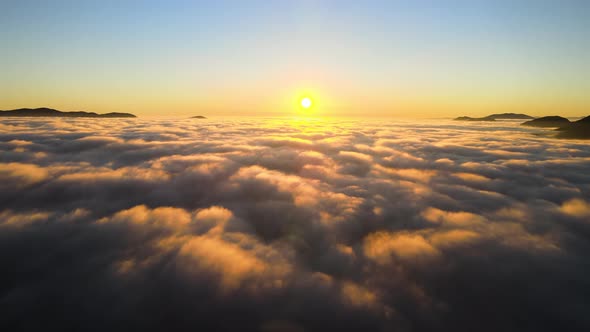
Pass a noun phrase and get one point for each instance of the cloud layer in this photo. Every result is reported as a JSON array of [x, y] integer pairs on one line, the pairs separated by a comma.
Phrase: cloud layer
[[286, 225]]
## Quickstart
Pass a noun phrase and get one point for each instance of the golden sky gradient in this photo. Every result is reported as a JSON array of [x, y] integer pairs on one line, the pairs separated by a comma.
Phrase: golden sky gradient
[[254, 58]]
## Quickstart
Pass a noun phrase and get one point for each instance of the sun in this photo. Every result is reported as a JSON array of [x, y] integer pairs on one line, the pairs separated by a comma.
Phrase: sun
[[306, 102]]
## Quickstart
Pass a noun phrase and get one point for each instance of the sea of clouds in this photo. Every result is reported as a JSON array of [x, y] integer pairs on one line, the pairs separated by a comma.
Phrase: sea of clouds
[[292, 225]]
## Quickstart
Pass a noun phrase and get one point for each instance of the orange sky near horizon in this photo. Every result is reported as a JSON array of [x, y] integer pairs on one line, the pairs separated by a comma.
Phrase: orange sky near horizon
[[253, 58]]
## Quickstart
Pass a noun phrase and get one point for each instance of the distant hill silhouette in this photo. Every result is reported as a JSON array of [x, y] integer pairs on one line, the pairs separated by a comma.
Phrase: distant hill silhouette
[[578, 130], [467, 118], [494, 117], [43, 111], [548, 122], [198, 117]]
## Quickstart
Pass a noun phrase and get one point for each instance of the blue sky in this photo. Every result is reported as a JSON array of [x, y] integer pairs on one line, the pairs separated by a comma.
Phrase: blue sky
[[423, 57]]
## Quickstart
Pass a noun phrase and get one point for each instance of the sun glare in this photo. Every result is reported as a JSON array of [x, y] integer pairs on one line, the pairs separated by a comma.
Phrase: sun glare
[[306, 102]]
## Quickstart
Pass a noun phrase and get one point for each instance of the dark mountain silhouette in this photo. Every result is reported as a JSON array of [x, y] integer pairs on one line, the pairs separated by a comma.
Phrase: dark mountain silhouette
[[467, 118], [198, 117], [494, 117], [117, 115], [548, 122], [579, 129], [44, 111]]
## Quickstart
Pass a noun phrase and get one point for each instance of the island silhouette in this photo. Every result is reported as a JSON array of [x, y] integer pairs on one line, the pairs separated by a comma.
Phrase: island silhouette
[[565, 128], [49, 112], [547, 122], [494, 117], [577, 130]]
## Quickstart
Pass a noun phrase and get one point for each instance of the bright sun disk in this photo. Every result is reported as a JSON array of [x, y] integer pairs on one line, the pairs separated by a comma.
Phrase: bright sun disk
[[306, 102]]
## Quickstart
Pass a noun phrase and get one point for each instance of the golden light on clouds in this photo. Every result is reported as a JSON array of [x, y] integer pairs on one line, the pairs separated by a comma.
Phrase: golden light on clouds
[[259, 214]]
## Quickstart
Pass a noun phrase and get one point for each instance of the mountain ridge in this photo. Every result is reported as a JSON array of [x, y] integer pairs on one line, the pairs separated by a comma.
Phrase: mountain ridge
[[50, 112], [575, 130], [547, 122], [497, 116]]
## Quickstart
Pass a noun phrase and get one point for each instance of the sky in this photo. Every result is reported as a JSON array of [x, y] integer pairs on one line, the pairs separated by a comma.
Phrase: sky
[[381, 58]]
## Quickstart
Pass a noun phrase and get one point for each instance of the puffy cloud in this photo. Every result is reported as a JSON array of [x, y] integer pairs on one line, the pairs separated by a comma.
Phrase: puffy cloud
[[18, 175], [452, 218], [359, 296], [284, 225], [11, 219], [577, 208], [454, 238], [228, 260], [381, 247]]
